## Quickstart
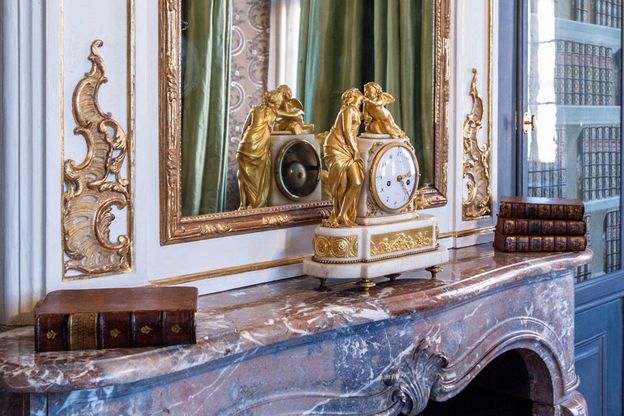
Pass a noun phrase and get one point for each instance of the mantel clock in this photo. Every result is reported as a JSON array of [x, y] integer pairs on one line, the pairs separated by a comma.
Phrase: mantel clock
[[373, 229]]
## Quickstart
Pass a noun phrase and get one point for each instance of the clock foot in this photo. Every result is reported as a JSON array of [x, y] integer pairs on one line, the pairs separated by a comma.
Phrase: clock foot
[[323, 285], [434, 270], [393, 276], [365, 284]]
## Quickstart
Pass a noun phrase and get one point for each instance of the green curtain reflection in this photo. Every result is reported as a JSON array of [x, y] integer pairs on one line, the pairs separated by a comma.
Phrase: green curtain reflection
[[206, 69], [348, 43], [330, 53]]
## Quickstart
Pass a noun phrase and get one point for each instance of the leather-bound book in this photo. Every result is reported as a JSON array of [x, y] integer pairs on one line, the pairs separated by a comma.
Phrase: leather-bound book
[[541, 208], [523, 226], [116, 318], [539, 243]]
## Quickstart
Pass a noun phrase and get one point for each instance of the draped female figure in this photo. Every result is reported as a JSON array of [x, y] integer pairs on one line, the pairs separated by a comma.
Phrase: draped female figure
[[254, 151], [344, 164]]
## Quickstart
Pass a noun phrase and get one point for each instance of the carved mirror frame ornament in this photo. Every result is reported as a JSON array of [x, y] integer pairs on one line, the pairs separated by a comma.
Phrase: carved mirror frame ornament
[[175, 228]]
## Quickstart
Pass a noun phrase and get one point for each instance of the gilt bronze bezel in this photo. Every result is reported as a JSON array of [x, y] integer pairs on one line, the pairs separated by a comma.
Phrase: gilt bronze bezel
[[175, 228], [373, 174]]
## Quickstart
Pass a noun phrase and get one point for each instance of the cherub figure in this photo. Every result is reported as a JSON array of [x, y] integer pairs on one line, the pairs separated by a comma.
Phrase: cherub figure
[[290, 105], [377, 118]]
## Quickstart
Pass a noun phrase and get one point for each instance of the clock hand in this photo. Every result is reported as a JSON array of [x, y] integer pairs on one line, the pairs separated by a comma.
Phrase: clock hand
[[405, 189]]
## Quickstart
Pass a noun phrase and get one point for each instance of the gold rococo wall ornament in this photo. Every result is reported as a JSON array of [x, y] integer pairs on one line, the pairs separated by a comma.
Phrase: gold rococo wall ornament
[[93, 187], [476, 161]]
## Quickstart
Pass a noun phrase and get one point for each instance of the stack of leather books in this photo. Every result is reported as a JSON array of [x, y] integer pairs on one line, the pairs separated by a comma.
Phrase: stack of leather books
[[116, 318], [540, 224]]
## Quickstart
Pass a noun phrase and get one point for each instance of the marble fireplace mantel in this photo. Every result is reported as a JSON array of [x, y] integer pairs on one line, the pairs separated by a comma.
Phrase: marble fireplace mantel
[[284, 348]]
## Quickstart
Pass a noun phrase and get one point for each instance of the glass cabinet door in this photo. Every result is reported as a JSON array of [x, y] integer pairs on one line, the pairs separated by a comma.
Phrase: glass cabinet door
[[571, 116]]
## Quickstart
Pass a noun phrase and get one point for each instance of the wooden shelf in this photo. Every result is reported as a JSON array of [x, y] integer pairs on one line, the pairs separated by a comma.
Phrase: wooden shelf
[[588, 33], [582, 115], [606, 204]]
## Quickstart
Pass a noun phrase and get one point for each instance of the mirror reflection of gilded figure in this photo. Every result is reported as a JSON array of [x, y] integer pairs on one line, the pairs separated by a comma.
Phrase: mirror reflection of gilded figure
[[254, 151], [377, 118], [290, 105], [345, 166], [326, 194]]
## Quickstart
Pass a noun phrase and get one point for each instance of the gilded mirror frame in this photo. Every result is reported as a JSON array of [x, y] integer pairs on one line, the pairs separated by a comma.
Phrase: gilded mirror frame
[[175, 228]]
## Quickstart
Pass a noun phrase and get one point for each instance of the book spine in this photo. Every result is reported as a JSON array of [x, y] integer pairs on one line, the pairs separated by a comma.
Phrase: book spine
[[581, 74], [146, 329], [515, 226], [609, 76], [82, 331], [525, 243], [589, 75], [585, 11], [51, 333], [178, 327], [114, 330], [577, 59], [569, 63], [609, 13], [599, 12]]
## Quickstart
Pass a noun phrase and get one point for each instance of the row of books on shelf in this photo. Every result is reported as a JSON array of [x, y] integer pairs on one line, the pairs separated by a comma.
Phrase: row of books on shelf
[[600, 156], [584, 74], [600, 12]]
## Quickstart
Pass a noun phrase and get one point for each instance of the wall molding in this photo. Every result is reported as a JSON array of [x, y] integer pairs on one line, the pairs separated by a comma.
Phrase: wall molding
[[22, 156]]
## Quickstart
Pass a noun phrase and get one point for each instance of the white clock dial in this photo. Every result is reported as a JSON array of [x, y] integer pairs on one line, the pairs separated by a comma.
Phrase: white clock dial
[[394, 177]]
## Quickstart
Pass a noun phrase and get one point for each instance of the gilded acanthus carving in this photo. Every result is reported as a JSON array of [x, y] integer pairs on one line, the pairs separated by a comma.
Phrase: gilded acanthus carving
[[476, 160], [277, 220], [96, 185], [395, 242]]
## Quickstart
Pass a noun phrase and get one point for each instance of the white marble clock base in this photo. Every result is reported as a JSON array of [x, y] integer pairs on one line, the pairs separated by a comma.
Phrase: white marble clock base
[[389, 267], [375, 250]]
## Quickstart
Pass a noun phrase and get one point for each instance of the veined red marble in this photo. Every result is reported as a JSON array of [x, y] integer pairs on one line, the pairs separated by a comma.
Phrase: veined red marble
[[475, 285]]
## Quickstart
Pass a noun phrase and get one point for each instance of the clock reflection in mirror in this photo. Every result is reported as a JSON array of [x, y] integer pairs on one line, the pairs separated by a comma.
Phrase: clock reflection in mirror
[[261, 87]]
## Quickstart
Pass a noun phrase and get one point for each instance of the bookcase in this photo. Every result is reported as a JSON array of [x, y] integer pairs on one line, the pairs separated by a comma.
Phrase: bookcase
[[574, 89]]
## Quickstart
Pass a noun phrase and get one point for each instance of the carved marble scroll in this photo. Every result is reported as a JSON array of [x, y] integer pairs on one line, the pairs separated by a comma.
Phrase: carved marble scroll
[[93, 187], [414, 380], [476, 160]]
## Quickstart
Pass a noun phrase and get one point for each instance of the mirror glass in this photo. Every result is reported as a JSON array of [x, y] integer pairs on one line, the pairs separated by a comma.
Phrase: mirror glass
[[235, 55]]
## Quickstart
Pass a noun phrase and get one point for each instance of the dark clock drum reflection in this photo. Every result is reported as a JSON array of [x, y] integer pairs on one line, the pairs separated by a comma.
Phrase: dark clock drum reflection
[[298, 169]]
